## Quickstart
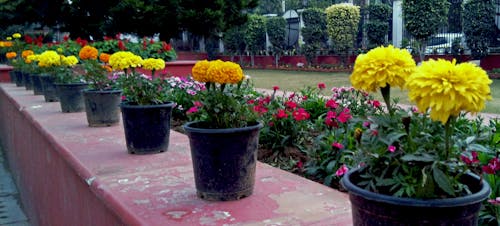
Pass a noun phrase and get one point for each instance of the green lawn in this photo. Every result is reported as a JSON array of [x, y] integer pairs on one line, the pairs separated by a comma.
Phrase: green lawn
[[295, 80]]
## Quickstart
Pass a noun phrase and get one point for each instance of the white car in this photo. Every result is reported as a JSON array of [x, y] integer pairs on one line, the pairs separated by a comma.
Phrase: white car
[[441, 43]]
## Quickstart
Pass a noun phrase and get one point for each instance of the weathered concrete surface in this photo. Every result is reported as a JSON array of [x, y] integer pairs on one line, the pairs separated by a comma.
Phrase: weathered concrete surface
[[71, 174]]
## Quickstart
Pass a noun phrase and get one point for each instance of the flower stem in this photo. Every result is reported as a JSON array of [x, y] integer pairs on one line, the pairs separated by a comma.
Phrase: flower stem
[[447, 136], [386, 94]]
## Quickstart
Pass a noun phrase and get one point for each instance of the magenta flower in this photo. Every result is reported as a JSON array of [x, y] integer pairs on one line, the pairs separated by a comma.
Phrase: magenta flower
[[276, 88], [469, 161], [192, 110], [331, 104], [281, 114], [337, 145], [300, 114], [291, 104], [321, 85], [391, 148], [342, 170], [344, 116]]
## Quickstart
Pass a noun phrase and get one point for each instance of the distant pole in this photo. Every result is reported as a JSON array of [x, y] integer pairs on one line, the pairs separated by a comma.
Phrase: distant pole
[[397, 23], [283, 6]]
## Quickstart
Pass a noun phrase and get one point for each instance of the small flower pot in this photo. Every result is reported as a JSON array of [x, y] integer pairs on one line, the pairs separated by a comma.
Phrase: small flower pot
[[27, 81], [19, 78], [147, 127], [37, 84], [102, 107], [49, 89], [370, 208], [71, 97], [224, 160]]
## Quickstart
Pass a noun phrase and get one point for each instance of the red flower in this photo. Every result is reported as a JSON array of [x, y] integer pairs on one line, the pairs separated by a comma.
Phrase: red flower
[[144, 44], [321, 85], [66, 38], [304, 97], [107, 38], [329, 121], [374, 132], [291, 104], [197, 104], [251, 101], [291, 96], [281, 114], [28, 39], [167, 47], [470, 161], [300, 114], [492, 167], [121, 46], [276, 88], [344, 116], [260, 109], [300, 164], [331, 104], [376, 103]]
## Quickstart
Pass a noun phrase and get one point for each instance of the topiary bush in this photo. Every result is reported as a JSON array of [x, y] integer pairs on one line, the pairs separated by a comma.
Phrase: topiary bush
[[342, 25], [314, 33], [479, 26]]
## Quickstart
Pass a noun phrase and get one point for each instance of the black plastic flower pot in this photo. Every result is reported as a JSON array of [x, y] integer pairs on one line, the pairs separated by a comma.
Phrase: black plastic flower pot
[[19, 78], [12, 76], [27, 81], [71, 97], [37, 84], [102, 107], [147, 127], [370, 208], [49, 89], [224, 160]]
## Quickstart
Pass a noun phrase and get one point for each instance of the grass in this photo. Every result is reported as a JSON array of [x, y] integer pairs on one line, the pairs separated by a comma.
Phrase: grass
[[296, 80]]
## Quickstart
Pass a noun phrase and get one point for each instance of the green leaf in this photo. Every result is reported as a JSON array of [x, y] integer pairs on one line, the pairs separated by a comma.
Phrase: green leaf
[[443, 181], [418, 158], [386, 182]]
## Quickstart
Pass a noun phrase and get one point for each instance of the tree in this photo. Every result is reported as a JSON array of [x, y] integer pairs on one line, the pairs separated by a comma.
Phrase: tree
[[423, 18], [479, 26], [314, 32], [255, 37], [233, 42], [277, 35], [269, 7], [342, 25], [378, 25]]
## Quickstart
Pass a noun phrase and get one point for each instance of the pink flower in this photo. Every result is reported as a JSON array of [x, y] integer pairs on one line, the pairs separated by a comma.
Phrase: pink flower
[[321, 85], [300, 164], [331, 104], [198, 104], [376, 103], [300, 114], [192, 110], [337, 145], [329, 120], [495, 201], [366, 124], [391, 148], [341, 171], [470, 161], [281, 114], [375, 133], [291, 96], [276, 88], [492, 167]]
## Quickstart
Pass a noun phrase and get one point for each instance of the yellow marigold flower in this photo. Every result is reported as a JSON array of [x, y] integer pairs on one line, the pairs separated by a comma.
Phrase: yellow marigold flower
[[199, 71], [16, 35], [49, 58], [88, 52], [153, 64], [29, 59], [59, 50], [11, 55], [124, 60], [447, 88], [380, 67], [27, 53], [9, 38], [214, 72], [233, 72], [69, 60], [104, 57]]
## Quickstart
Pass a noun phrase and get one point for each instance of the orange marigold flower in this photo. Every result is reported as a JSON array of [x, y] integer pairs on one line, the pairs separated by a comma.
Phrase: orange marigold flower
[[104, 57], [88, 52], [8, 44], [26, 53], [11, 55], [108, 68]]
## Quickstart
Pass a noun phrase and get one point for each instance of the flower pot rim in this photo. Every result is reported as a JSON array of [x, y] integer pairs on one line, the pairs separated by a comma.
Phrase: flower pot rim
[[191, 127], [102, 91], [125, 104], [71, 84], [478, 196]]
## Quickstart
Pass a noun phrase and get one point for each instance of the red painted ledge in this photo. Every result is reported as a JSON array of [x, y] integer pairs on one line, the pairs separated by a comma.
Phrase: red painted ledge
[[4, 72], [71, 174]]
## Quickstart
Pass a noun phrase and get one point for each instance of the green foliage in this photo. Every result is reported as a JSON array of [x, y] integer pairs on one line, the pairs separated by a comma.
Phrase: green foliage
[[97, 76], [479, 26], [342, 25], [139, 89], [378, 25], [233, 41], [314, 33], [255, 37], [269, 7], [225, 106], [275, 27], [423, 18]]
